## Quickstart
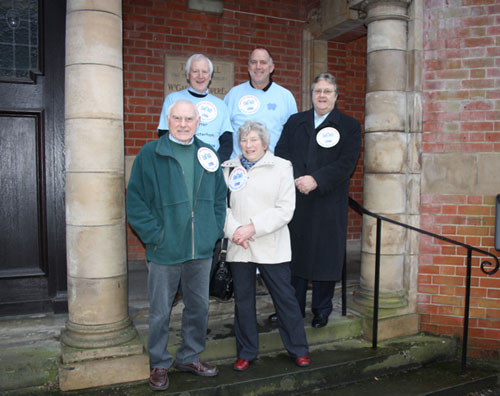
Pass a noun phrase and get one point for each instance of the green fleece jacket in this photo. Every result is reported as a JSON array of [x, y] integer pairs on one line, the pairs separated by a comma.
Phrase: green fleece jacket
[[159, 209]]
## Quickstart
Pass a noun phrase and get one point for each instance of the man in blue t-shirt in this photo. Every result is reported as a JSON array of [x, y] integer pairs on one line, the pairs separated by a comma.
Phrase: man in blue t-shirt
[[260, 99], [215, 128]]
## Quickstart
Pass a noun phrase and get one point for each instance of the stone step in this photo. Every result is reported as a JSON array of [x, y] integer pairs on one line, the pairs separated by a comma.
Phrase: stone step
[[220, 334], [347, 367], [435, 379]]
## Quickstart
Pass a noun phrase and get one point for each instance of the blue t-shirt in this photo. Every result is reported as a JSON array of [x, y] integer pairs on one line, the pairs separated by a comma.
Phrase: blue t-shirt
[[271, 107], [213, 111]]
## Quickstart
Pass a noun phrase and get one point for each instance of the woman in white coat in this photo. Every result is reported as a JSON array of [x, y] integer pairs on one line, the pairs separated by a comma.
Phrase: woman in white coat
[[261, 204]]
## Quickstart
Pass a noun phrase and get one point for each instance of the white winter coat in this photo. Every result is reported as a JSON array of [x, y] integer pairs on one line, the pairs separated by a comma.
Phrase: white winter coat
[[268, 201]]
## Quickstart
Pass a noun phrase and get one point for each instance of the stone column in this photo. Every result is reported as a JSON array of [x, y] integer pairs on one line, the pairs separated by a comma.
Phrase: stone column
[[389, 185], [98, 324]]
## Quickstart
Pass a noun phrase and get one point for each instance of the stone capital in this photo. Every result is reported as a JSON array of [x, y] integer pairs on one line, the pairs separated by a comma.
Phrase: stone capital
[[377, 10]]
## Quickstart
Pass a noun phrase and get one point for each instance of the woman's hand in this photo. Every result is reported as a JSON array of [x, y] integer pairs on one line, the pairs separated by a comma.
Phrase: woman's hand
[[244, 234], [306, 184]]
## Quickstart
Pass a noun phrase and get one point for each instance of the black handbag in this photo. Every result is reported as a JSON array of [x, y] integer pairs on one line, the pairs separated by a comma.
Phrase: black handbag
[[221, 282]]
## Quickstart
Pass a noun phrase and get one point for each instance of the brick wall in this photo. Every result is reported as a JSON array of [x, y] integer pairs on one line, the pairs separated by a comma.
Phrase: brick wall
[[461, 115], [154, 28]]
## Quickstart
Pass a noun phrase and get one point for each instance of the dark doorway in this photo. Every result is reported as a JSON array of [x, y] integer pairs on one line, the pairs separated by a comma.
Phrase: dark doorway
[[32, 222]]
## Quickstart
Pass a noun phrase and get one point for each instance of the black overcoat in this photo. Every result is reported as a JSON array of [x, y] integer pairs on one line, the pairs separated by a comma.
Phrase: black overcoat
[[319, 226]]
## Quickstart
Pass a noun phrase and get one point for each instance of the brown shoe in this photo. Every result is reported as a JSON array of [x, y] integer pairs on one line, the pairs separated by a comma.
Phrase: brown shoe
[[158, 379], [198, 368]]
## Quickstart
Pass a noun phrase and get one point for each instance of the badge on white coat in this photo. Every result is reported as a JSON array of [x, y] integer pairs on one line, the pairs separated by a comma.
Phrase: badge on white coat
[[237, 179]]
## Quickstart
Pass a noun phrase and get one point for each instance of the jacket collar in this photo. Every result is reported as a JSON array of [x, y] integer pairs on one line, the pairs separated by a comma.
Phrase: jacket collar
[[267, 159], [333, 119], [164, 145]]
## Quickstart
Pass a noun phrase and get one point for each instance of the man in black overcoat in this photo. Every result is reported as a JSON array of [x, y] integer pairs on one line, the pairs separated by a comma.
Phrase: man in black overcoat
[[323, 145]]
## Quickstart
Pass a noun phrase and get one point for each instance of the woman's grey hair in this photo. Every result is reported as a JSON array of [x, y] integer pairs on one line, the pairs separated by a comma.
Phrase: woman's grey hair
[[255, 126], [328, 77], [197, 57]]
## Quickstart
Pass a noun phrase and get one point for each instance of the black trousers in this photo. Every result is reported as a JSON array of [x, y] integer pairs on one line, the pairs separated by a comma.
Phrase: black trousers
[[277, 278], [322, 295]]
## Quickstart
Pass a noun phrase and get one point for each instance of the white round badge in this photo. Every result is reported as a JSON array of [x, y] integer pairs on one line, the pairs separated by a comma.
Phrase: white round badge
[[249, 104], [237, 179], [207, 110], [328, 137], [208, 159]]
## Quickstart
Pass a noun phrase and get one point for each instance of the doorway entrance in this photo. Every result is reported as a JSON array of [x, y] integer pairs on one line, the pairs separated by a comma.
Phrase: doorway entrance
[[32, 226]]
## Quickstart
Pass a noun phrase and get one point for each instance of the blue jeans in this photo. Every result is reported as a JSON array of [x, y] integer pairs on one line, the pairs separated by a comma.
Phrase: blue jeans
[[163, 282]]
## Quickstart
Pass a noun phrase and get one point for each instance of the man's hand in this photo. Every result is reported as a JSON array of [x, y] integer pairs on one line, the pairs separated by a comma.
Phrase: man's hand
[[306, 184]]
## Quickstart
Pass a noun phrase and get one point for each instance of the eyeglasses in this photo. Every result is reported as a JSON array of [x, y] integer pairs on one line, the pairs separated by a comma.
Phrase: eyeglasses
[[326, 92]]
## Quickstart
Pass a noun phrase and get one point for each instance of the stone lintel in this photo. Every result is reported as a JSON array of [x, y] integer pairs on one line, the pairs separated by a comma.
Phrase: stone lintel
[[449, 173], [380, 10], [488, 182], [333, 19], [212, 6]]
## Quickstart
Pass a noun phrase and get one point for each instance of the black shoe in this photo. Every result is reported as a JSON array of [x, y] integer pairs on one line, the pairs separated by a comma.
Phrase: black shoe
[[319, 321], [273, 318]]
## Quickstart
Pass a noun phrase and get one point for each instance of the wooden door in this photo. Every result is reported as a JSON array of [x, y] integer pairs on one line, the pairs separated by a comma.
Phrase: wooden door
[[32, 224]]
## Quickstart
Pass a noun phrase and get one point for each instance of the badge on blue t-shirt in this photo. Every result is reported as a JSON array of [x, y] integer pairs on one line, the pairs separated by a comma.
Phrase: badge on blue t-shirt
[[249, 104]]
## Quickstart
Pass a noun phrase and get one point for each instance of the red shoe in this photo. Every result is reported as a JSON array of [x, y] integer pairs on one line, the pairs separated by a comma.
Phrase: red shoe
[[241, 364], [303, 361]]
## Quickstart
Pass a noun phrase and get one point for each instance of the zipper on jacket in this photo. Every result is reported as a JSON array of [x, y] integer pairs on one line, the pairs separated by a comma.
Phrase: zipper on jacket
[[195, 197]]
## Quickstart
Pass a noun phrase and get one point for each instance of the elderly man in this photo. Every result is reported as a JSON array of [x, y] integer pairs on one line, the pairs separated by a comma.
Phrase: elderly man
[[260, 99], [323, 145], [215, 128], [176, 204]]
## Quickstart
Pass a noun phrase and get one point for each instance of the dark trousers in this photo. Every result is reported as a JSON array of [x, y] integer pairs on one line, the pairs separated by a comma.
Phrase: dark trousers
[[322, 295], [277, 278]]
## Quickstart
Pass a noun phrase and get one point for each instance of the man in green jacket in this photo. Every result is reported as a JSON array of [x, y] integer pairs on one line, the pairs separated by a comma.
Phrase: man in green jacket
[[176, 204]]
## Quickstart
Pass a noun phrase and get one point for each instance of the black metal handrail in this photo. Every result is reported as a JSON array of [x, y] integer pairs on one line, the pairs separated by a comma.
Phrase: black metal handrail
[[484, 264]]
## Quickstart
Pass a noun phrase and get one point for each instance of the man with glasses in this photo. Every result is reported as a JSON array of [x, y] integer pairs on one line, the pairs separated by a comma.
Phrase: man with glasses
[[323, 145]]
